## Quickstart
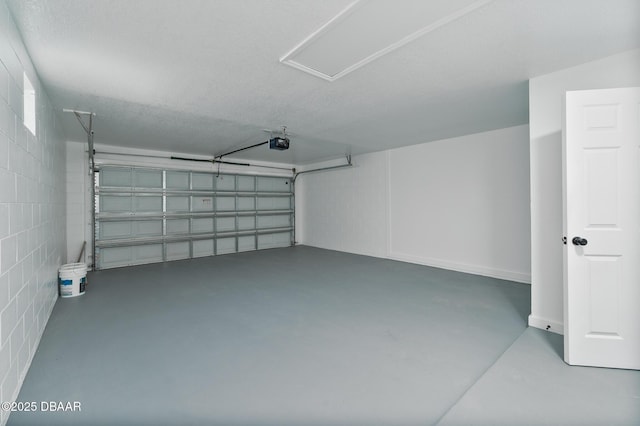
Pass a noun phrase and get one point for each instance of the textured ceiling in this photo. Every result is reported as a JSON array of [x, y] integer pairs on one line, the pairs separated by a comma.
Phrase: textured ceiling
[[204, 77]]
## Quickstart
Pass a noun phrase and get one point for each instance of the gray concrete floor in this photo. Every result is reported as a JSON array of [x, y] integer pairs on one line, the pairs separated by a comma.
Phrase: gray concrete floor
[[304, 336], [530, 384]]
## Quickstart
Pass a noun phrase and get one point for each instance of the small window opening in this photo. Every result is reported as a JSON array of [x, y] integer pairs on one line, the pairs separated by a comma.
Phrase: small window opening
[[29, 105]]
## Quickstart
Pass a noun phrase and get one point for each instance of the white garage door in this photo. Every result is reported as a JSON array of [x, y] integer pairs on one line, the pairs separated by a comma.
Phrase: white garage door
[[145, 215]]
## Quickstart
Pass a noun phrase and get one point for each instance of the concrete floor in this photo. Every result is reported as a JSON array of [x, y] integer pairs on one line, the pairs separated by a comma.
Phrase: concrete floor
[[304, 336], [530, 384]]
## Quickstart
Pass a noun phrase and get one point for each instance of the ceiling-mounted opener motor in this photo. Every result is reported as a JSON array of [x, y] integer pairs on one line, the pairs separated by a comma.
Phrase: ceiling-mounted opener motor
[[279, 143]]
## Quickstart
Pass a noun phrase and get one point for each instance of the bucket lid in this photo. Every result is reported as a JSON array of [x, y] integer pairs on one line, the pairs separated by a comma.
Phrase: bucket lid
[[73, 267]]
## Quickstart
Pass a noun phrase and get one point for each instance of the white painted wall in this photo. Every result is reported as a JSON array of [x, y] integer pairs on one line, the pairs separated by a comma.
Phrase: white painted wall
[[78, 203], [546, 94], [32, 214], [345, 209], [461, 204]]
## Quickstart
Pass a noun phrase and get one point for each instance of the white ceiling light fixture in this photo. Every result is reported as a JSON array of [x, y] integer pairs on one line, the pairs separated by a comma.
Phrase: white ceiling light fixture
[[368, 29]]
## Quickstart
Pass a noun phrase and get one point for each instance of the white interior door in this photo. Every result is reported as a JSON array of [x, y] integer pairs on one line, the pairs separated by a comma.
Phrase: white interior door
[[602, 225]]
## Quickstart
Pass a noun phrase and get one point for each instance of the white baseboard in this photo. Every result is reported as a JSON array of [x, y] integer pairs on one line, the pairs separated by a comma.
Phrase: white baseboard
[[546, 324], [461, 267]]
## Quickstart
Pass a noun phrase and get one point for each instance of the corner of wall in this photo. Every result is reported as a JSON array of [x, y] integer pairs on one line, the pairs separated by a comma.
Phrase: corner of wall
[[347, 209], [466, 212], [387, 192], [78, 205]]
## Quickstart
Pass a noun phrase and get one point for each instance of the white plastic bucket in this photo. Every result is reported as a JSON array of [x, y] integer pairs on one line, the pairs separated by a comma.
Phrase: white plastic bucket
[[72, 279]]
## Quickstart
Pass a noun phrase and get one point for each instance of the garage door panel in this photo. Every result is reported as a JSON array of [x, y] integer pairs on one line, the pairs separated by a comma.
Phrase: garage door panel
[[177, 180], [273, 203], [224, 224], [115, 204], [146, 215], [113, 257], [177, 226], [150, 253], [226, 245], [246, 223], [147, 178], [177, 203], [246, 203], [148, 203], [202, 203], [267, 241], [112, 230], [274, 221], [246, 243], [225, 183], [274, 184], [115, 230], [147, 228], [116, 177], [202, 248], [202, 225], [225, 203], [178, 250], [202, 181], [246, 183]]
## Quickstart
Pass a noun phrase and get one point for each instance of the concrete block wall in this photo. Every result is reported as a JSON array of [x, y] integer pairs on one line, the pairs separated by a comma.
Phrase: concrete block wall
[[32, 213]]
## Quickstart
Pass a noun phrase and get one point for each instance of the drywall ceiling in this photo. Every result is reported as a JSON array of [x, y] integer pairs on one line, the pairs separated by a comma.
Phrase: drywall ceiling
[[205, 76]]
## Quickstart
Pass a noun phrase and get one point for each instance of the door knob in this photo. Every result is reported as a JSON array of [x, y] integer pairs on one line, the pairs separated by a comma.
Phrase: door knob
[[579, 241]]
